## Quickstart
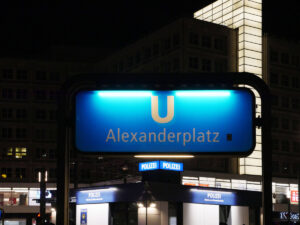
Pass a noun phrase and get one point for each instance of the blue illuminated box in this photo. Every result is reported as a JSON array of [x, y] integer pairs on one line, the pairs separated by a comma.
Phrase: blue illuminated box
[[178, 121], [146, 166], [163, 165]]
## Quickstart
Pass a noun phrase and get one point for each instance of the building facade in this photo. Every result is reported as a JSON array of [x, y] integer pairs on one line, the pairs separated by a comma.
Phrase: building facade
[[225, 36]]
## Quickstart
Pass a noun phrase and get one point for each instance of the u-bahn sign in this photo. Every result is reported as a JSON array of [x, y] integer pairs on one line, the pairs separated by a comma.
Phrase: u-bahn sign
[[166, 121]]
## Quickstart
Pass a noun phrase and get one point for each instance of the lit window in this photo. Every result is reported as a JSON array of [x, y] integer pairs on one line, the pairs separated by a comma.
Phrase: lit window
[[20, 152], [17, 152], [9, 152]]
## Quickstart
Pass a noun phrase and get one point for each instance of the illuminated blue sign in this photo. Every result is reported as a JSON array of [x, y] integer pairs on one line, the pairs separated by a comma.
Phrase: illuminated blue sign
[[163, 165], [96, 196], [213, 197], [146, 166], [206, 121]]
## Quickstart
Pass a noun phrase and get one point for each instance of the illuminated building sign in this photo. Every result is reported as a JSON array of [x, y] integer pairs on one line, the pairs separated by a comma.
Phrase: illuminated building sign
[[183, 121], [163, 165], [285, 216], [96, 196], [213, 197], [146, 166], [294, 197]]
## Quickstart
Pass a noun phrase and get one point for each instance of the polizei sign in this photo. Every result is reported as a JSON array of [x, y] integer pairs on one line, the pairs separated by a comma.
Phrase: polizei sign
[[177, 121]]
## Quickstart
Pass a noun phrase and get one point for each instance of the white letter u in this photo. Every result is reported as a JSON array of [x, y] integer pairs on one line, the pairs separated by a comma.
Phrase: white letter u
[[170, 109]]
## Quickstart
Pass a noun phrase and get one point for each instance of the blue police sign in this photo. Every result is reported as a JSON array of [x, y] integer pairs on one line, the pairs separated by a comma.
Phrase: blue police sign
[[183, 121], [214, 197], [163, 165], [174, 166], [146, 166], [96, 196]]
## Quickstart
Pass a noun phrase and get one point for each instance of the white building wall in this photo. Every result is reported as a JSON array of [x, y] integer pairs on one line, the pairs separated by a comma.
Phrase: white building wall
[[246, 16], [97, 214], [157, 215], [239, 215], [200, 214]]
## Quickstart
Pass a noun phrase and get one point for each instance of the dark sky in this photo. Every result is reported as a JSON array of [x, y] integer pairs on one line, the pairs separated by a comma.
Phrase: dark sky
[[31, 28]]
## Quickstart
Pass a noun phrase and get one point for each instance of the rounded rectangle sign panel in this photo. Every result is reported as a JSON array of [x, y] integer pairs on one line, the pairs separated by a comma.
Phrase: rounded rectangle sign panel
[[177, 121]]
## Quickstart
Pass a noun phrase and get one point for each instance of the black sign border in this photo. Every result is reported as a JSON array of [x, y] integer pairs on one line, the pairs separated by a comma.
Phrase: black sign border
[[175, 80], [215, 153]]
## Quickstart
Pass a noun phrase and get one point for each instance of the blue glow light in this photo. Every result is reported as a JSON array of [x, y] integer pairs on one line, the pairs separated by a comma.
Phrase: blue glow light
[[131, 121], [125, 93], [207, 93]]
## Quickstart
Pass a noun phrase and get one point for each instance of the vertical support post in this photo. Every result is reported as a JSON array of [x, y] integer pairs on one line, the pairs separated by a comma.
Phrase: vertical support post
[[63, 166], [43, 196], [299, 192], [266, 160]]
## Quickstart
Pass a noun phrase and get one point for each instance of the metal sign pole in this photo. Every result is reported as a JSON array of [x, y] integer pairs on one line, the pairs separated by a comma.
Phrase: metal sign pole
[[63, 168], [157, 82]]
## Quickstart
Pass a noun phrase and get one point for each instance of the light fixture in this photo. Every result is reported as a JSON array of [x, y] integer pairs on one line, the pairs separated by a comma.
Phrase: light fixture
[[207, 93], [152, 205], [125, 93], [140, 205], [164, 156]]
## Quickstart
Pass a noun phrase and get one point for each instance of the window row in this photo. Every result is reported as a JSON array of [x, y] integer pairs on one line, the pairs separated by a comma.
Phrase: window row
[[147, 52], [286, 168], [23, 133], [284, 58], [286, 102], [15, 152], [284, 80], [23, 152], [285, 123], [285, 145], [19, 173], [207, 65], [24, 94], [205, 41], [23, 75], [22, 173], [21, 113], [43, 153]]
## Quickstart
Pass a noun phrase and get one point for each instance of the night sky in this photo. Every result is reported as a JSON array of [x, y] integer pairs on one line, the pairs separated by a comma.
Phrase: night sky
[[33, 28]]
